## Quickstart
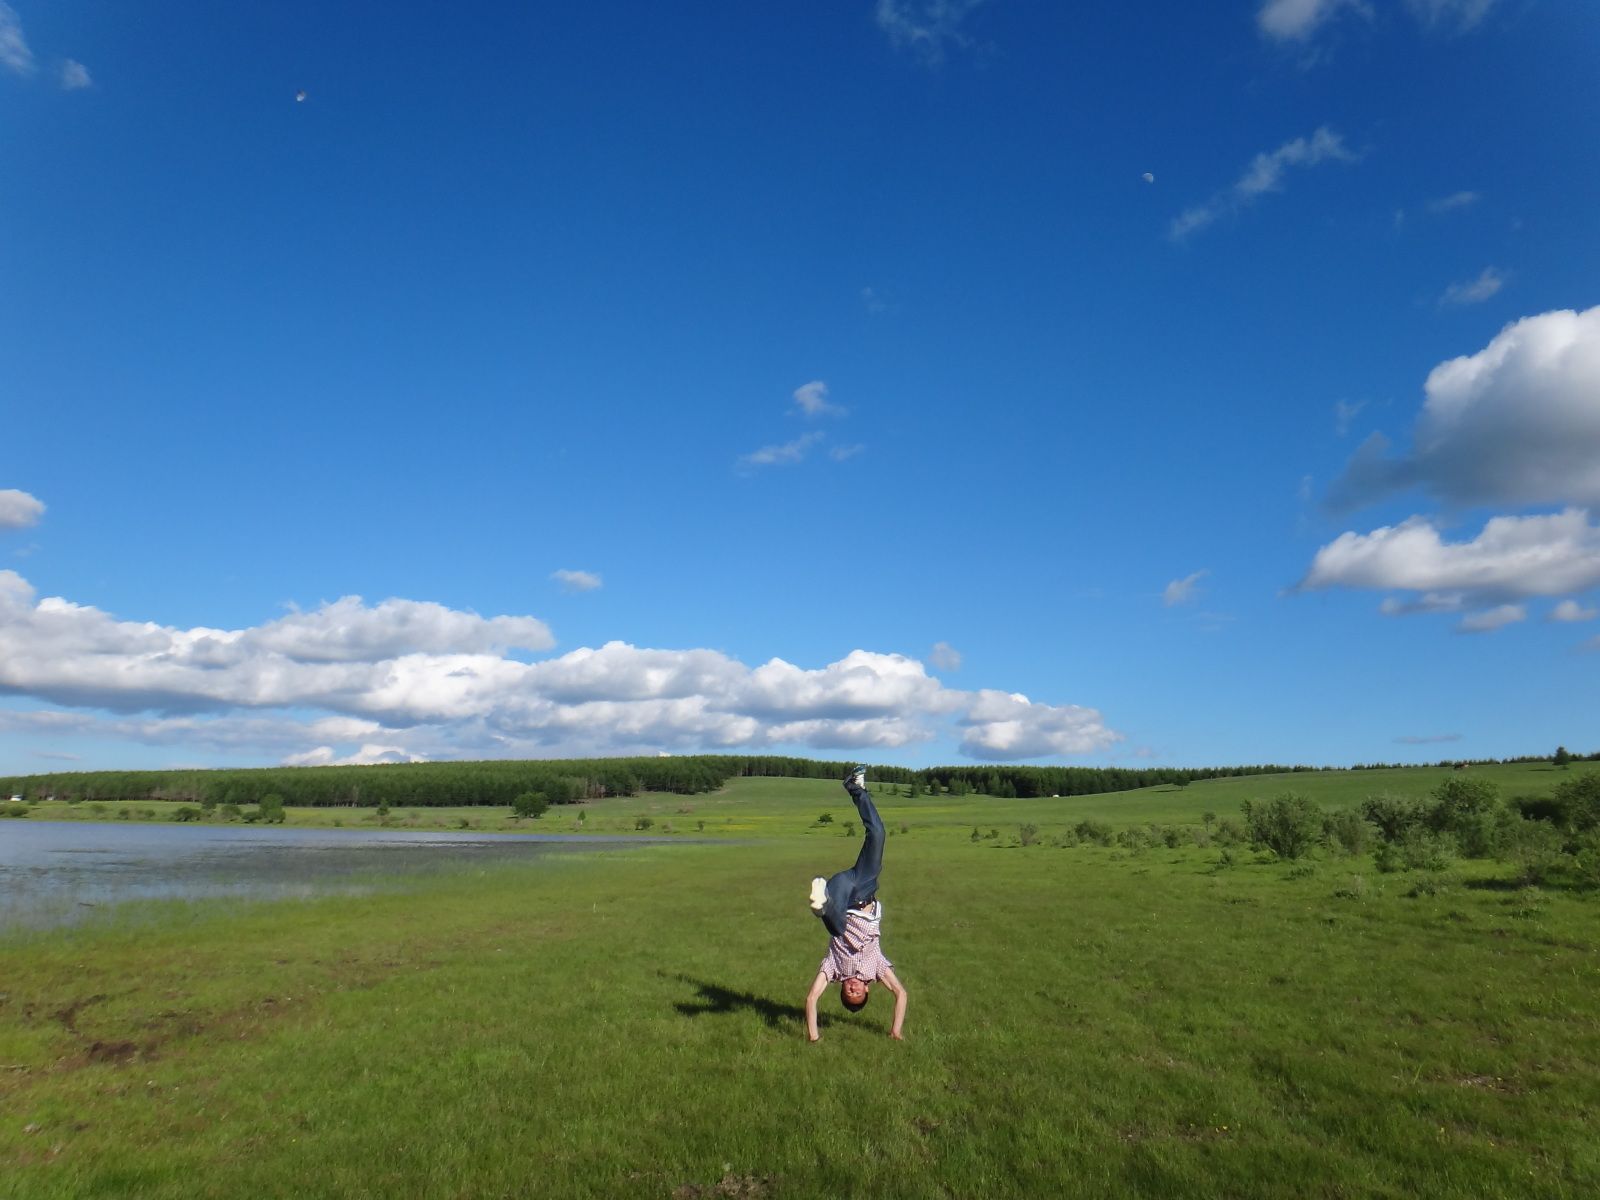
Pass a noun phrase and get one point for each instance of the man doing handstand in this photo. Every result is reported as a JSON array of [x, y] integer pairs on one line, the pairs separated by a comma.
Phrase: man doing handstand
[[848, 905]]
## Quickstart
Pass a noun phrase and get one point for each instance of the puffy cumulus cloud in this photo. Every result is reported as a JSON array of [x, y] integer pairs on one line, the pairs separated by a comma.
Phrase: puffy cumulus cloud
[[349, 631], [1002, 725], [415, 681], [18, 510], [576, 581], [1518, 422], [368, 755], [1512, 558], [1264, 174]]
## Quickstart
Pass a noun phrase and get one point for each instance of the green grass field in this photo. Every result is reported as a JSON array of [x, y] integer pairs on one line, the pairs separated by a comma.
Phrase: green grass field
[[1084, 1021]]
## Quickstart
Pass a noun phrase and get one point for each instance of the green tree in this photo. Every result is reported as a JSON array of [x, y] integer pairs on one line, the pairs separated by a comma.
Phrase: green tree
[[271, 809], [529, 804], [1562, 759]]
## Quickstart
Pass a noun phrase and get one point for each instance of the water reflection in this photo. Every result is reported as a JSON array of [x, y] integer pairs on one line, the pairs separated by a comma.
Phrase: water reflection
[[58, 872]]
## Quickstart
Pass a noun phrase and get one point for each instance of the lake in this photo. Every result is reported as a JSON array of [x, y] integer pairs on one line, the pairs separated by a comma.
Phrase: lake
[[59, 872]]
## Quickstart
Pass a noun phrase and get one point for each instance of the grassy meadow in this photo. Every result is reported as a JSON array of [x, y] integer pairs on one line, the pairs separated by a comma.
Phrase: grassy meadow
[[1084, 1020]]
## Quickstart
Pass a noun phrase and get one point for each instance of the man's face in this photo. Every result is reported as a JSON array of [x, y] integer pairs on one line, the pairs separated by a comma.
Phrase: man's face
[[855, 991]]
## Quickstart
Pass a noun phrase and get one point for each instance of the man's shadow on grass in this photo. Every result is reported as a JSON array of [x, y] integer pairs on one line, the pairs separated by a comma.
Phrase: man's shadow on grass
[[716, 1000]]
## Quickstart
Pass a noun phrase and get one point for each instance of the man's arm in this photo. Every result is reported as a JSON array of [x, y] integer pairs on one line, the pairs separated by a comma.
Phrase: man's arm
[[818, 986], [892, 982]]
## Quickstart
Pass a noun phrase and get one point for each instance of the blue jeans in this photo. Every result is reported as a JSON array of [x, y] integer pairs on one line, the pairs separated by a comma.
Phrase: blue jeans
[[853, 888]]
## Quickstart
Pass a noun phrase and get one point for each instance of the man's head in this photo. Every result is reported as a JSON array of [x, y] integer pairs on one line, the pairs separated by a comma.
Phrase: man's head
[[853, 992]]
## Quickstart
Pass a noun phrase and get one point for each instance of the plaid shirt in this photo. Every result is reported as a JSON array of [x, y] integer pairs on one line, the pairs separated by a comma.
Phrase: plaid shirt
[[855, 954]]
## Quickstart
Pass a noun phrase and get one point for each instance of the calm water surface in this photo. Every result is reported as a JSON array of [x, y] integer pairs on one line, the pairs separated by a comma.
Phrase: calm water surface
[[59, 872]]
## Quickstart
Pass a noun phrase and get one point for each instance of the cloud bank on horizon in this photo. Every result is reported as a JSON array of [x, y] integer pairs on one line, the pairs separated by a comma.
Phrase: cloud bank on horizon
[[405, 680]]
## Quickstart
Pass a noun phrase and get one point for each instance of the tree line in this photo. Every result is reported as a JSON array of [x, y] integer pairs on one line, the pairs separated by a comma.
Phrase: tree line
[[569, 781]]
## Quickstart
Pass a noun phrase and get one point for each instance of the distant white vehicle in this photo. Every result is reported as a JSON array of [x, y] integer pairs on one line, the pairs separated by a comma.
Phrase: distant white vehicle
[[16, 799]]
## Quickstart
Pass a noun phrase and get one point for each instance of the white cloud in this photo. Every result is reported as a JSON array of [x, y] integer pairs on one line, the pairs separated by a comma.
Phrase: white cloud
[[18, 510], [1428, 602], [576, 581], [405, 680], [845, 453], [1264, 174], [787, 452], [368, 755], [1512, 558], [1183, 591], [74, 75], [1452, 202], [1571, 610], [348, 631], [1007, 726], [1458, 15], [874, 301], [811, 400], [1474, 291], [926, 27], [1518, 422], [945, 657], [1297, 20], [14, 52], [1492, 618]]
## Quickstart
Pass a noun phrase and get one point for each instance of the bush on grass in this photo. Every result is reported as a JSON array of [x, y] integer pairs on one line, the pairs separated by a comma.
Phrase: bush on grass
[[1468, 810], [1029, 834], [1418, 849], [643, 822], [1228, 832], [1289, 825], [188, 813], [1393, 815], [1346, 831], [1098, 832]]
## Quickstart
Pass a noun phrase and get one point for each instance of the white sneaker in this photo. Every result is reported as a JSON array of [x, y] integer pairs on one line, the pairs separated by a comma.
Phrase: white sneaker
[[819, 893]]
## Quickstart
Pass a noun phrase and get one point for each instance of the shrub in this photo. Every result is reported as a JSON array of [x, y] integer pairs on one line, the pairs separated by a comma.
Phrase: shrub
[[1393, 815], [1346, 831], [1535, 847], [850, 829], [993, 835], [976, 836], [1172, 836], [1098, 832], [1417, 849], [825, 819], [1132, 838], [229, 811], [642, 822], [1578, 802], [187, 813], [1467, 809], [1288, 825], [383, 811], [124, 813], [1353, 889], [530, 805], [272, 809], [1029, 834], [1229, 832]]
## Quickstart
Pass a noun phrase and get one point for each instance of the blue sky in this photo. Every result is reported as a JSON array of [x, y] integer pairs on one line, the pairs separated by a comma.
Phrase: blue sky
[[923, 381]]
